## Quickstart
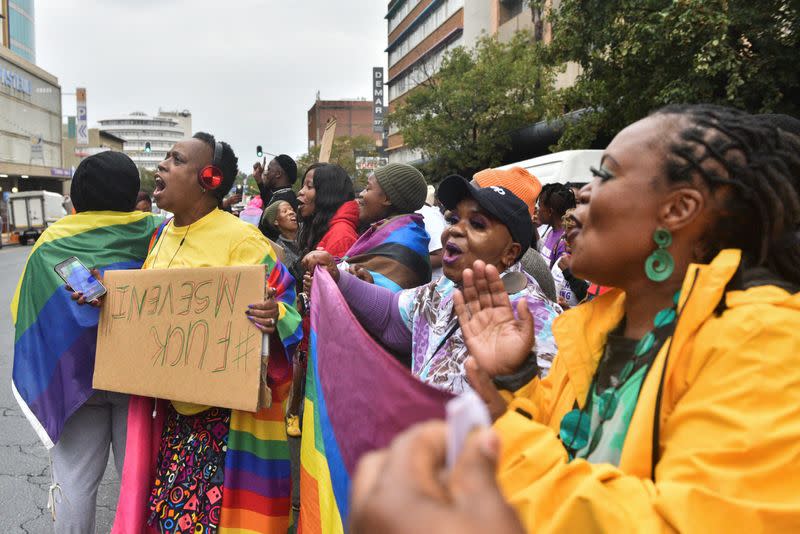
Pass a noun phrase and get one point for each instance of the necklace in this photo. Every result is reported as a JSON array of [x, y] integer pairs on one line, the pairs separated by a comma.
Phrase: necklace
[[161, 242], [576, 424]]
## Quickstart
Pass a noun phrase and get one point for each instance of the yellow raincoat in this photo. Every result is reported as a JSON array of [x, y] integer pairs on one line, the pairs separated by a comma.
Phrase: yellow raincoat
[[729, 420]]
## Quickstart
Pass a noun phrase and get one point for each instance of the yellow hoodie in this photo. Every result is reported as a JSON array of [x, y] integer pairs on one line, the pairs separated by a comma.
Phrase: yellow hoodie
[[728, 431]]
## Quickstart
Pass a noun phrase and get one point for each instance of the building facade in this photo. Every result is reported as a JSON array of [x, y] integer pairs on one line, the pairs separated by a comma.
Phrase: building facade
[[138, 129], [30, 127], [420, 32], [353, 118], [99, 141], [18, 28]]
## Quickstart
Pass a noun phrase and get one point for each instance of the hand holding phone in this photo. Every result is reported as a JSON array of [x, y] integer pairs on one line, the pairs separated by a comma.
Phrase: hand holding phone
[[80, 279]]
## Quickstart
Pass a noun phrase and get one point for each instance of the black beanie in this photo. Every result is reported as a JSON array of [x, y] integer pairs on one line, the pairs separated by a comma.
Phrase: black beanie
[[288, 165], [108, 181]]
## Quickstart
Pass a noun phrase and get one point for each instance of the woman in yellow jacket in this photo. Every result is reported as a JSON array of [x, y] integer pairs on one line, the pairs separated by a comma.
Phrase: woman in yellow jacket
[[672, 404]]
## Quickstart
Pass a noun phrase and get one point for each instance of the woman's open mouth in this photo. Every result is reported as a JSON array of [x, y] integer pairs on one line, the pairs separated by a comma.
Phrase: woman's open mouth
[[452, 253], [160, 185]]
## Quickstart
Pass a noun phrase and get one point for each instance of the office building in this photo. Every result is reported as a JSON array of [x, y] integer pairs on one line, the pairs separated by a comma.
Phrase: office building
[[30, 126], [161, 131], [18, 28], [420, 32], [353, 118]]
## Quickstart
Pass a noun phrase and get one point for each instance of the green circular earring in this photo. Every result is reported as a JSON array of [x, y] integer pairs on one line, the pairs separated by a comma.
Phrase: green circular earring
[[659, 265]]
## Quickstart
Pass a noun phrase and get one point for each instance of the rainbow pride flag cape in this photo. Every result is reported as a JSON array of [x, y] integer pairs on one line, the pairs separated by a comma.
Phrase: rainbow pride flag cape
[[54, 342], [358, 397]]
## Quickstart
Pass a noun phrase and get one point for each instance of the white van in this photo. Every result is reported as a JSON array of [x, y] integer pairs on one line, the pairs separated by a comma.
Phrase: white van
[[561, 167], [33, 211]]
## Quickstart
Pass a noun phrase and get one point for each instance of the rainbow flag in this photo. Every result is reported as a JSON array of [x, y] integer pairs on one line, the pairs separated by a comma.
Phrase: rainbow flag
[[395, 252], [54, 342], [257, 485], [358, 397]]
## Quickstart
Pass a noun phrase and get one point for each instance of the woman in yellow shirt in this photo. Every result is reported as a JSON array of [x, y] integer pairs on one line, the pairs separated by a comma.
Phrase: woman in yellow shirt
[[214, 468]]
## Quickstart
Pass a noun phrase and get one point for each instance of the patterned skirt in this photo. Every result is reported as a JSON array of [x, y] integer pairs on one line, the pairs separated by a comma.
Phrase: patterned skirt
[[187, 491]]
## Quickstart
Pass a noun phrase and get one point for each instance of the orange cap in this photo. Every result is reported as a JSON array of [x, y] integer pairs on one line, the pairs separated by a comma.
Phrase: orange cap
[[516, 179]]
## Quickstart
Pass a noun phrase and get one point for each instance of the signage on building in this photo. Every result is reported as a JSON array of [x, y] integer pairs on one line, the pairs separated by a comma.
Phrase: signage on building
[[377, 99], [11, 79], [83, 128], [54, 171], [370, 163]]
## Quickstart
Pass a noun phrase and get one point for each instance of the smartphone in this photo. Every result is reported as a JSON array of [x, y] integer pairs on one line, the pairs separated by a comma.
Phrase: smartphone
[[239, 189], [77, 276]]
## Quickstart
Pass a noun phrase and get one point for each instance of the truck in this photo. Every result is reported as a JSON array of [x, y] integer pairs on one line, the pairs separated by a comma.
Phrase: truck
[[30, 212], [561, 167]]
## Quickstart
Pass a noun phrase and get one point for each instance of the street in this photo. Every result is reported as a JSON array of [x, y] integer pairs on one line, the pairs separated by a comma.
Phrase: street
[[24, 467]]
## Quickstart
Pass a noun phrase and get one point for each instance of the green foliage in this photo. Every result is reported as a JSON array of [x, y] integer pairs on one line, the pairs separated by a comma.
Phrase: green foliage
[[147, 181], [343, 153], [461, 118], [638, 55]]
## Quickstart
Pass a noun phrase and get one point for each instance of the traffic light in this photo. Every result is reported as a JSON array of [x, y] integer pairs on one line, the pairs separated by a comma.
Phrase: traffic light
[[147, 147], [259, 151]]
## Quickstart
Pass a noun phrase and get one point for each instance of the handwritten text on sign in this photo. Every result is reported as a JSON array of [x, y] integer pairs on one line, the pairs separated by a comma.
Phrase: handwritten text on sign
[[182, 334]]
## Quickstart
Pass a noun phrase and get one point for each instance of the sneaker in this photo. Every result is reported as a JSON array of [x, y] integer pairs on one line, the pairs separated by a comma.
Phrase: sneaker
[[293, 426]]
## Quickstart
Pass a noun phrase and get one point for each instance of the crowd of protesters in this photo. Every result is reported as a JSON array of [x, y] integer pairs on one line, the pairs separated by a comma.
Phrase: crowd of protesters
[[635, 338]]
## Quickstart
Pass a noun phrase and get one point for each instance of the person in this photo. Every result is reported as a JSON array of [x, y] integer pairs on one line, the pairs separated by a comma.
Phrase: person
[[144, 202], [282, 220], [275, 182], [528, 188], [330, 218], [435, 224], [694, 428], [419, 324], [393, 251], [55, 341], [574, 290], [183, 482], [328, 210], [553, 204], [517, 180], [253, 212]]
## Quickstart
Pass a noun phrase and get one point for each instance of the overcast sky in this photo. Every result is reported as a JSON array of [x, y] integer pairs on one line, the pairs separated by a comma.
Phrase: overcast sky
[[248, 70]]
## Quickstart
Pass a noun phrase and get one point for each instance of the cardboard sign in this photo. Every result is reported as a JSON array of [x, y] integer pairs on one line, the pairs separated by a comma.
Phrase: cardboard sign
[[182, 334], [326, 145]]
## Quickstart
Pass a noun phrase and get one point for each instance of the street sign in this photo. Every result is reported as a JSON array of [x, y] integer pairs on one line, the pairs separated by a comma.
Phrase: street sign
[[81, 123], [377, 99], [370, 163]]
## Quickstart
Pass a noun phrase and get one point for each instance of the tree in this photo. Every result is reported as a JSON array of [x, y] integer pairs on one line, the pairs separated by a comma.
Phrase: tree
[[147, 180], [462, 117], [637, 56], [343, 153]]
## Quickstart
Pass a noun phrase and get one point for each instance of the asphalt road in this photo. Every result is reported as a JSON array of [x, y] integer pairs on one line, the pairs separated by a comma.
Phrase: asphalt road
[[24, 464]]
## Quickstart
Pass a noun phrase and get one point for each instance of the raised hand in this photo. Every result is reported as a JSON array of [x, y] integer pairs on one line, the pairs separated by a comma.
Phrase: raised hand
[[498, 341], [258, 170]]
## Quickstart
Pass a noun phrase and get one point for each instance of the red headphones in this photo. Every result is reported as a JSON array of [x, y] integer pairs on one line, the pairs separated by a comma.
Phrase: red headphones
[[210, 176]]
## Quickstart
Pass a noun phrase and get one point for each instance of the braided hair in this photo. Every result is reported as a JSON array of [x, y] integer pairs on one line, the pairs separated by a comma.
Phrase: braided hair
[[756, 168], [558, 197]]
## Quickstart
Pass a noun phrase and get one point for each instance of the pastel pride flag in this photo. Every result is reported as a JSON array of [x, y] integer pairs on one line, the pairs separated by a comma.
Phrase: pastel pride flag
[[358, 398]]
